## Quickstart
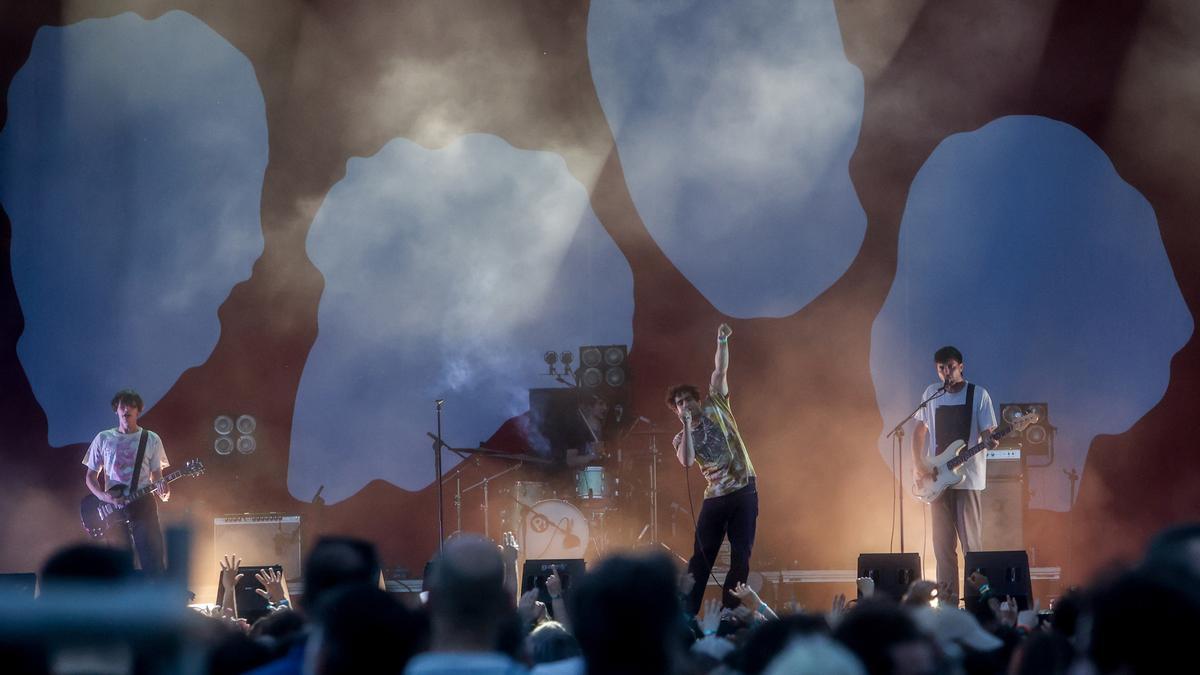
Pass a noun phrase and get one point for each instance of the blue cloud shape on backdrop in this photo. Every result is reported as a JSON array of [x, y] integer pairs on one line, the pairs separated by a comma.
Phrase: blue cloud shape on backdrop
[[134, 154], [1022, 246], [448, 274], [735, 123]]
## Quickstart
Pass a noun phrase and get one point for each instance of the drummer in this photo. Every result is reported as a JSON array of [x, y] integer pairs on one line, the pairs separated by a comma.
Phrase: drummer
[[583, 433]]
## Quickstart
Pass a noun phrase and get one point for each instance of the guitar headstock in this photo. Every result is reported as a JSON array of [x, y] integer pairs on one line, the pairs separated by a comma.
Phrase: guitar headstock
[[1021, 420], [193, 467]]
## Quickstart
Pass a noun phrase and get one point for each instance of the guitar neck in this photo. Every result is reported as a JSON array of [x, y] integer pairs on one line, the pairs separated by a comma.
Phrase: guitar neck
[[154, 485]]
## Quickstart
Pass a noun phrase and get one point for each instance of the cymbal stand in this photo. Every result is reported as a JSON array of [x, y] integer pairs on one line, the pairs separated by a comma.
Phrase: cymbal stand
[[653, 486], [486, 507], [437, 467]]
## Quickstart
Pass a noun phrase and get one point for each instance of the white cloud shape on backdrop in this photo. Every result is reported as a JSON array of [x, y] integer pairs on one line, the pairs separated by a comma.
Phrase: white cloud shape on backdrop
[[735, 123], [448, 274], [133, 160], [1022, 246]]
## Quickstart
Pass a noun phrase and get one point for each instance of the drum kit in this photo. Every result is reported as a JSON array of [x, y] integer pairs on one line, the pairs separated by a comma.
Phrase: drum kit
[[560, 520]]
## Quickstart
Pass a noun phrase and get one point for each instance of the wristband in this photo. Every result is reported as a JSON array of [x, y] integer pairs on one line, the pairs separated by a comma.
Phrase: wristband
[[984, 589], [762, 608], [556, 597], [722, 340], [709, 632]]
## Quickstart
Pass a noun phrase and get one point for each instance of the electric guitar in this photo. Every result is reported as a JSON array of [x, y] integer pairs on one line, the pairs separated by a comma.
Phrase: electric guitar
[[98, 516], [947, 465]]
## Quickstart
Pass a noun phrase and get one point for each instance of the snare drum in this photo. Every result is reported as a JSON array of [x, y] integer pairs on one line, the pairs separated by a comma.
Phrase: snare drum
[[591, 484], [555, 529]]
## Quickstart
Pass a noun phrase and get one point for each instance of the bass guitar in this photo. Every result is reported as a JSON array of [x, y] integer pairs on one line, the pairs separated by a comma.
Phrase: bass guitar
[[98, 516], [947, 464]]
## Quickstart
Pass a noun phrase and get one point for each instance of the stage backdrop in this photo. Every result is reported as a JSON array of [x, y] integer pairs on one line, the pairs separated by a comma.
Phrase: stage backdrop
[[329, 215]]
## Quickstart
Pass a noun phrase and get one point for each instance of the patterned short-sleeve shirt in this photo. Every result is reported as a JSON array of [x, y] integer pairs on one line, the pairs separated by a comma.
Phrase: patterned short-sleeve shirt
[[720, 450]]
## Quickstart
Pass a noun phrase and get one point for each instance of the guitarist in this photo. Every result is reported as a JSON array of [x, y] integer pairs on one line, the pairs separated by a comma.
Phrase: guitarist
[[964, 412], [114, 453]]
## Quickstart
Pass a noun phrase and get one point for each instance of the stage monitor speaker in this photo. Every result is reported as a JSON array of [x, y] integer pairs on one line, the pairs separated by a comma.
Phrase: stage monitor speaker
[[259, 539], [1002, 510], [536, 571], [1007, 573], [892, 572], [18, 585], [250, 605]]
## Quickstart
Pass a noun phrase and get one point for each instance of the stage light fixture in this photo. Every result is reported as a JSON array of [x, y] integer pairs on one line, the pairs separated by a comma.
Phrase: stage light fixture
[[223, 445], [223, 424]]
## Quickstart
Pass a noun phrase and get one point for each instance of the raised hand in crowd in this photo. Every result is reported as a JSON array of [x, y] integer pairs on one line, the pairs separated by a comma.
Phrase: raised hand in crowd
[[274, 586], [558, 606], [509, 552], [531, 610], [977, 580], [866, 587], [554, 584], [920, 592], [751, 601], [711, 618], [1005, 610], [229, 579], [1027, 619], [837, 611]]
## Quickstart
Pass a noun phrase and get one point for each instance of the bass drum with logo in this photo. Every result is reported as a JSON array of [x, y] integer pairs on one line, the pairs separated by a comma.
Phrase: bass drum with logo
[[555, 529]]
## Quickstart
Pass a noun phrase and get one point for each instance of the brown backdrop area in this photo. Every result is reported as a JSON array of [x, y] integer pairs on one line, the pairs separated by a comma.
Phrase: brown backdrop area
[[1119, 71]]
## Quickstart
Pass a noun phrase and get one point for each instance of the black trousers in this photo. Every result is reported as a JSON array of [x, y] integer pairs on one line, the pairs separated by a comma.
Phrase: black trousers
[[735, 514], [144, 536]]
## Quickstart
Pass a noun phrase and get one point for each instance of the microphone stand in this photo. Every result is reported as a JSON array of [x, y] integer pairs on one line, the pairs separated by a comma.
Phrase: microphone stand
[[898, 456], [437, 467]]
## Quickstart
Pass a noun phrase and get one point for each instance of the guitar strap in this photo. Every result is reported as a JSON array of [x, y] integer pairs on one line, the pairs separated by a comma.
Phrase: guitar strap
[[137, 463], [953, 422]]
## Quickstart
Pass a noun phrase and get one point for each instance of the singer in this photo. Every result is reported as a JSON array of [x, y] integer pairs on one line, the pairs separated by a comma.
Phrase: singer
[[710, 436], [963, 412]]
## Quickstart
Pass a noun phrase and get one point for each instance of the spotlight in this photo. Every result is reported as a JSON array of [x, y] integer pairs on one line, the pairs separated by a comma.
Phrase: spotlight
[[223, 424], [551, 358], [223, 445]]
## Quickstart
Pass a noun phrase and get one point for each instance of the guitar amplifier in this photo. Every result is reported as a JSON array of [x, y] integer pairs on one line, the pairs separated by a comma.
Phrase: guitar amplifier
[[1004, 462], [259, 539]]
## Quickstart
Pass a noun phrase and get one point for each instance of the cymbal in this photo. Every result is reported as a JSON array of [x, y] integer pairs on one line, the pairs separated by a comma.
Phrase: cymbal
[[488, 452], [514, 456]]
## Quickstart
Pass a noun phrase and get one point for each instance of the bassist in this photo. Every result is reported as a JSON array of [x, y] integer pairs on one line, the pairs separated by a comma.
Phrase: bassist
[[114, 453], [964, 412]]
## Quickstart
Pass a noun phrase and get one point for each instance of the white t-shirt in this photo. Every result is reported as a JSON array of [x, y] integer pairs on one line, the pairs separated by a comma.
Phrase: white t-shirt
[[983, 417], [114, 453]]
